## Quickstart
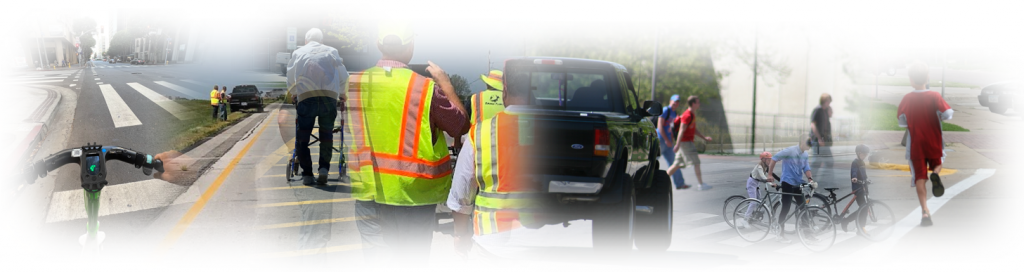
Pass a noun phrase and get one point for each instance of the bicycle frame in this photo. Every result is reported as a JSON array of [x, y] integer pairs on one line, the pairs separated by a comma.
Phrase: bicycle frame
[[834, 202], [92, 208]]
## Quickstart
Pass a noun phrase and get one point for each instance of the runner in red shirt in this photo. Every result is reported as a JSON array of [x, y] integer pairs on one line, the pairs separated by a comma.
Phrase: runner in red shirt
[[920, 112]]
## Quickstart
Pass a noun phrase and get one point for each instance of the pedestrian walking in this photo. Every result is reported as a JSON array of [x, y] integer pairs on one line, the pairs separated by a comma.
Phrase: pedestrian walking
[[667, 138], [686, 125], [399, 163], [224, 98], [317, 77], [821, 137], [921, 112]]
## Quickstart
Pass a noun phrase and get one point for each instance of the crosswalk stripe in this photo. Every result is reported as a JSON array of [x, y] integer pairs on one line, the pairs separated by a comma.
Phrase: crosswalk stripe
[[694, 217], [186, 91], [705, 230], [739, 242], [120, 113], [192, 81], [36, 81], [309, 223], [170, 106], [322, 201]]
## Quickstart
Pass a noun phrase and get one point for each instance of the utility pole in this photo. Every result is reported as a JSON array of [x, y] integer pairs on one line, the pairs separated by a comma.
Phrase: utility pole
[[753, 113], [654, 69]]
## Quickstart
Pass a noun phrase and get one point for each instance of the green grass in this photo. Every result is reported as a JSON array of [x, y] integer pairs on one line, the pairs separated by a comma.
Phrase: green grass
[[882, 116], [200, 125]]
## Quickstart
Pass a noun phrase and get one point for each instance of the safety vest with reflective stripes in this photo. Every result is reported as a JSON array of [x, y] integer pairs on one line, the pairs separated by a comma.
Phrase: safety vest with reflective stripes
[[485, 105], [505, 198], [393, 159], [214, 98]]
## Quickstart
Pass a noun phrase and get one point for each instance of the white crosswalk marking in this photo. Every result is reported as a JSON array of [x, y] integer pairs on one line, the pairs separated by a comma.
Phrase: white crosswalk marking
[[187, 92], [170, 106], [705, 230], [120, 113]]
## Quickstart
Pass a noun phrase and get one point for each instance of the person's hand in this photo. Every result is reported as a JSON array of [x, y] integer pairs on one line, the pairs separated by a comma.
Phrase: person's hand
[[463, 243], [669, 143], [436, 72], [814, 185], [854, 180], [771, 179], [675, 148], [174, 163], [706, 138]]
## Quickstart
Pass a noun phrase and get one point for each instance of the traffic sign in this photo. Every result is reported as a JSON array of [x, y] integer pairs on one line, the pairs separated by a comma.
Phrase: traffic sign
[[291, 38]]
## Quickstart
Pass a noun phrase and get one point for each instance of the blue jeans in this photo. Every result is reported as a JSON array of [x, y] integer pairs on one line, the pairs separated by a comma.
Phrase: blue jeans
[[670, 157], [315, 109]]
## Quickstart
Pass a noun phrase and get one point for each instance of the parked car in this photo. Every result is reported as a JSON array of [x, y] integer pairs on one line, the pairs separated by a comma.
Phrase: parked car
[[1001, 96], [246, 97], [138, 61]]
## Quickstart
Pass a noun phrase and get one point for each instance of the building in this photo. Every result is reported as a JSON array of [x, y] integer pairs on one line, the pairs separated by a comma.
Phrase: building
[[49, 43]]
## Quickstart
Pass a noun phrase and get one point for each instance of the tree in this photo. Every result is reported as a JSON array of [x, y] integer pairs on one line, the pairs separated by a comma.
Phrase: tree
[[462, 89], [85, 27]]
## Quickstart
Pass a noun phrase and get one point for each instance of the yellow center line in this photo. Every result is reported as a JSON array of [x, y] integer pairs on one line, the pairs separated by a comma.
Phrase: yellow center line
[[308, 223], [322, 201], [197, 207], [314, 251]]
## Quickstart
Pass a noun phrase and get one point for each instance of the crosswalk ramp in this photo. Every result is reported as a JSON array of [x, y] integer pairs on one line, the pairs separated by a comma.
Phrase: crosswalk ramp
[[48, 78]]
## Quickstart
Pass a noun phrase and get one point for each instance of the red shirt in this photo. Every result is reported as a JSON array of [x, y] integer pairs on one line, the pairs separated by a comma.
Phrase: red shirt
[[691, 127], [922, 109]]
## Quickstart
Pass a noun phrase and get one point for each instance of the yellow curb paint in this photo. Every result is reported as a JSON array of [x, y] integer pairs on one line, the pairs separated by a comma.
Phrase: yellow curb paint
[[197, 207], [308, 223], [281, 204]]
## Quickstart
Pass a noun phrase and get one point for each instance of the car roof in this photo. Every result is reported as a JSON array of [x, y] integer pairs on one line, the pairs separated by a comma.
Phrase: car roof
[[574, 62]]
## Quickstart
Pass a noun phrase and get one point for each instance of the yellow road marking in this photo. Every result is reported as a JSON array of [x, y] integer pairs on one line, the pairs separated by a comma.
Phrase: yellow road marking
[[322, 201], [193, 212], [314, 251], [281, 176], [308, 223]]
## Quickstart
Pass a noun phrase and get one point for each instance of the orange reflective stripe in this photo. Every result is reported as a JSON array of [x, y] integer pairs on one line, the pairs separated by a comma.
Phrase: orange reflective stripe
[[410, 122], [420, 96], [397, 165]]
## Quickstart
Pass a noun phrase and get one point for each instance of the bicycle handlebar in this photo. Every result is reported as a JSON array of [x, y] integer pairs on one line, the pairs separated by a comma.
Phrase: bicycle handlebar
[[64, 157]]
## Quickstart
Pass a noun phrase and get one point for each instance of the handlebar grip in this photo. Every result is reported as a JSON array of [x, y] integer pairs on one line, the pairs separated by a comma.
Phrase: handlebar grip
[[158, 165]]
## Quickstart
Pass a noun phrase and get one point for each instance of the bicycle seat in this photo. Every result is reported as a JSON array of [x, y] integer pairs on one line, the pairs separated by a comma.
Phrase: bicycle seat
[[830, 189]]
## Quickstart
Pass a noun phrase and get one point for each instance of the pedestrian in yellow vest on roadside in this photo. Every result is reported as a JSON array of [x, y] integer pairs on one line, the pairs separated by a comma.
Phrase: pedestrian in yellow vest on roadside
[[215, 101], [398, 161], [488, 102]]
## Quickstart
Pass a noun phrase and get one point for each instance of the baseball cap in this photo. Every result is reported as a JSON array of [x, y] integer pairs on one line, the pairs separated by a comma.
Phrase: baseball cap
[[675, 97], [394, 33]]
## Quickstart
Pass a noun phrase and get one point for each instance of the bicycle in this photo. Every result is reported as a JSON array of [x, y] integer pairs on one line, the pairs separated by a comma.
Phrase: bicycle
[[875, 221], [732, 201], [93, 161], [813, 224]]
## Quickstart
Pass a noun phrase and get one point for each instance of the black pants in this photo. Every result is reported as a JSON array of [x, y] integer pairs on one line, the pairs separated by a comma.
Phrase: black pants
[[216, 110], [408, 230], [786, 199]]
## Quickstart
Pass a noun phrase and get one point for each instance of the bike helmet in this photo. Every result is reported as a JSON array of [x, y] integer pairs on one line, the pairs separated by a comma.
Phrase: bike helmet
[[766, 155], [863, 149]]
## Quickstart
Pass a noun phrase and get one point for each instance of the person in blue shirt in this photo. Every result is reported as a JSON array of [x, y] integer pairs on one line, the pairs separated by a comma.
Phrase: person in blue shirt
[[666, 139], [794, 166]]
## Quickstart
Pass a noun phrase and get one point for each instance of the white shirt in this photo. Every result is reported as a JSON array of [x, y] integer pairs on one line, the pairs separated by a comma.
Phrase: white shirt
[[464, 188], [759, 173], [316, 67]]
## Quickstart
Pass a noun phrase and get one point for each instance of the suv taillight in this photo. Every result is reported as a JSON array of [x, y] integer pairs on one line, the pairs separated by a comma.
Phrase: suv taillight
[[601, 142]]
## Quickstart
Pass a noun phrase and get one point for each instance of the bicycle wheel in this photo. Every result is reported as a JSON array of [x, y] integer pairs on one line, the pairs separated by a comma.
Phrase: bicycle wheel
[[814, 225], [875, 221], [817, 200], [757, 225], [730, 206]]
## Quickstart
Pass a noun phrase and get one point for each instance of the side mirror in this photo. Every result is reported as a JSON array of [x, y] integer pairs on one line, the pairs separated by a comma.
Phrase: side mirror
[[652, 108]]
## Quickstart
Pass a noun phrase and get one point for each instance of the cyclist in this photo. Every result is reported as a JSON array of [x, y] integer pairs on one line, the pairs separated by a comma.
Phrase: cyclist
[[794, 163], [759, 174], [858, 175]]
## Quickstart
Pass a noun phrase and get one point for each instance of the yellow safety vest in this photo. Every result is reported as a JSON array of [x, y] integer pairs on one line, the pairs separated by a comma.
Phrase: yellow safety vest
[[505, 197], [486, 104], [214, 98], [393, 159]]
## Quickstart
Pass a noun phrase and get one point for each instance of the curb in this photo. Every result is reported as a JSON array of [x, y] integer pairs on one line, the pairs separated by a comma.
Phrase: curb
[[39, 118]]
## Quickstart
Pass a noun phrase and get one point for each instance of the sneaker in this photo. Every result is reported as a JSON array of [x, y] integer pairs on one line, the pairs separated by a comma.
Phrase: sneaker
[[322, 179], [783, 239], [684, 187], [926, 221], [742, 224], [937, 188], [703, 187], [308, 180]]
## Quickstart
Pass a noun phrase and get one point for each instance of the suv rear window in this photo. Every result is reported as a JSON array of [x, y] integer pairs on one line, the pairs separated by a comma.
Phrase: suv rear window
[[565, 89], [248, 89]]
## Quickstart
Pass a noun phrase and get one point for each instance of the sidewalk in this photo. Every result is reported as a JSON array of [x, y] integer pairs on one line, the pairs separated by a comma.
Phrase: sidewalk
[[25, 121]]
